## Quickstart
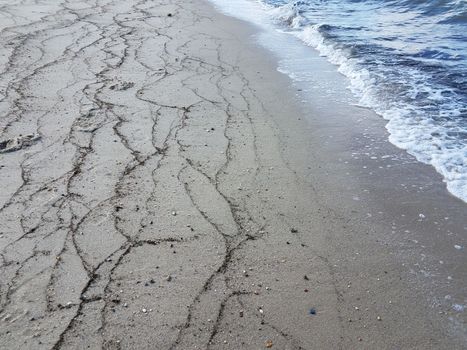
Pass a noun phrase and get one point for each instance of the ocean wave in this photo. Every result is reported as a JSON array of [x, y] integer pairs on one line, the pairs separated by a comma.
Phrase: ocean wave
[[420, 92], [289, 14]]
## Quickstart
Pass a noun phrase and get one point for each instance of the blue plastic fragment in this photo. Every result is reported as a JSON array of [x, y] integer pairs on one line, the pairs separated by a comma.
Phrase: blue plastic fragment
[[312, 311]]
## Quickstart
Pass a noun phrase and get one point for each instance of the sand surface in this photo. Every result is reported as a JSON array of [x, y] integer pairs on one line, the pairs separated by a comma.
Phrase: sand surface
[[162, 188]]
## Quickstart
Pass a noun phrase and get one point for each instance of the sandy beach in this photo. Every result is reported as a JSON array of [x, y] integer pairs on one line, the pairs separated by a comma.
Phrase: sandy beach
[[165, 187]]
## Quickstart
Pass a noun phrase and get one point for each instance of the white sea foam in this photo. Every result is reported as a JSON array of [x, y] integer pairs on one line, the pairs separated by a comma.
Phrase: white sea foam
[[421, 138]]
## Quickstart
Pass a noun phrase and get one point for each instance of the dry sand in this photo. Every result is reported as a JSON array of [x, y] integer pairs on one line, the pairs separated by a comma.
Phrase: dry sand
[[162, 188]]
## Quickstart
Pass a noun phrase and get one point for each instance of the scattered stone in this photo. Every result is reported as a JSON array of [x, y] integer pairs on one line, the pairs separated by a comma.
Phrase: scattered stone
[[306, 278], [168, 278], [17, 143], [378, 318], [268, 344], [144, 311], [312, 311], [169, 15], [293, 230], [174, 213], [126, 85], [241, 313]]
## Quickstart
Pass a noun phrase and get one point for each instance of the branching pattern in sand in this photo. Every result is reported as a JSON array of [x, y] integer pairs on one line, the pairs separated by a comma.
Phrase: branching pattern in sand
[[136, 212]]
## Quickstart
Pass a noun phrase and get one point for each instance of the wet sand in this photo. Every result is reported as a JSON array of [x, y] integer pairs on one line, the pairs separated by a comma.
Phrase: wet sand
[[165, 188]]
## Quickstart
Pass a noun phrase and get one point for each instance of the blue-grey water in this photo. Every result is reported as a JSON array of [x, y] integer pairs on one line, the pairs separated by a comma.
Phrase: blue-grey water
[[405, 59]]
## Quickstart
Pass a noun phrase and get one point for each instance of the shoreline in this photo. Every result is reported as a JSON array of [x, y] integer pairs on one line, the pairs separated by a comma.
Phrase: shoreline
[[284, 38], [182, 195]]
